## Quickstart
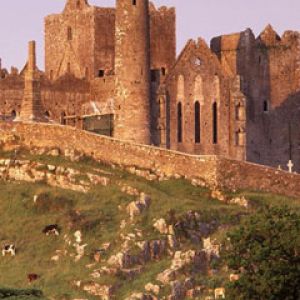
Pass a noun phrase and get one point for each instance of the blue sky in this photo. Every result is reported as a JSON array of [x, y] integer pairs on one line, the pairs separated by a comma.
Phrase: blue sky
[[22, 20]]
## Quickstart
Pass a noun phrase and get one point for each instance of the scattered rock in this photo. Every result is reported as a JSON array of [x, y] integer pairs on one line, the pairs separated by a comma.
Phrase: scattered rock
[[129, 190], [197, 259], [136, 208], [78, 236], [161, 226], [220, 293], [54, 152], [152, 288], [95, 289], [241, 201], [218, 195], [167, 276], [178, 291], [234, 277], [140, 296], [211, 248]]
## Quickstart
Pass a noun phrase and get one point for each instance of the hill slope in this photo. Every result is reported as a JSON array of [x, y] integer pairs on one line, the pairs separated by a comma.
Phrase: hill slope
[[102, 216]]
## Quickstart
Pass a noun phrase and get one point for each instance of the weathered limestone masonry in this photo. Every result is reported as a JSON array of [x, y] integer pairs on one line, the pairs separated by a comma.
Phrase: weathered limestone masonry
[[81, 40], [207, 109], [34, 172], [270, 80], [132, 69], [212, 170], [114, 71]]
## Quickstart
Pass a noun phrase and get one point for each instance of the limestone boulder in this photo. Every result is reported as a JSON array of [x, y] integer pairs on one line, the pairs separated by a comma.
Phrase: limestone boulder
[[152, 288], [178, 291], [211, 247], [54, 152], [105, 292], [167, 276], [136, 208], [140, 296], [241, 201], [161, 226]]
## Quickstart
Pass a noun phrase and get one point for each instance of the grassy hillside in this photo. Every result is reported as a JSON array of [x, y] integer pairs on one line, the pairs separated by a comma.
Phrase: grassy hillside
[[98, 215]]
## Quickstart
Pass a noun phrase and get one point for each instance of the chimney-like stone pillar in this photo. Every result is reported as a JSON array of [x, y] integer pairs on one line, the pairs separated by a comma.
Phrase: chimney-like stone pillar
[[32, 109], [31, 56]]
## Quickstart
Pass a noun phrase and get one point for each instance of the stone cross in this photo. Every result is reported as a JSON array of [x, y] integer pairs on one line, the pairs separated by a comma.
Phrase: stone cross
[[290, 165]]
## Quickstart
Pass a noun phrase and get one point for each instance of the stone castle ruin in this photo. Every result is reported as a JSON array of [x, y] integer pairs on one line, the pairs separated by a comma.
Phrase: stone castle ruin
[[114, 71]]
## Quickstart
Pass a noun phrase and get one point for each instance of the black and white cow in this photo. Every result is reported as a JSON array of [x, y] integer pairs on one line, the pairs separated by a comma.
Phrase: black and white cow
[[51, 230], [9, 249]]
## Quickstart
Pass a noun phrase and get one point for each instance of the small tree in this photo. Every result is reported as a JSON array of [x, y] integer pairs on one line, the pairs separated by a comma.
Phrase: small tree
[[265, 249]]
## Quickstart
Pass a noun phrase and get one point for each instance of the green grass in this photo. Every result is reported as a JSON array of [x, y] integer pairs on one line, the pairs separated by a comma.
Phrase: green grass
[[97, 215]]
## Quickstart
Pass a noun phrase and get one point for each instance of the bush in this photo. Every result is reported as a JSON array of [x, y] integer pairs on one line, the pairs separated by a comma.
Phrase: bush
[[20, 294], [266, 249]]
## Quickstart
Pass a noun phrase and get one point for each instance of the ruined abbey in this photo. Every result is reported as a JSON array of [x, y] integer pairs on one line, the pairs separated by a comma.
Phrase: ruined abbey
[[114, 71]]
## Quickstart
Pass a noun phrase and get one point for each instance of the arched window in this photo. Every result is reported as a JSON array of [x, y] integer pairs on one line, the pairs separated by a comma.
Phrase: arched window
[[179, 122], [69, 34], [266, 106], [197, 123], [215, 122], [47, 114], [13, 114]]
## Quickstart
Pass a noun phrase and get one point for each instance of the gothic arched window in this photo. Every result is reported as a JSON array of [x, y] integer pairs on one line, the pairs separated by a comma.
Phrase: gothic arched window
[[179, 122], [215, 122], [197, 123]]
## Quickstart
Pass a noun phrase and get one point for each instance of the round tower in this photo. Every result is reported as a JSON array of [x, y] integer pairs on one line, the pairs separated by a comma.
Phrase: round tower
[[132, 70]]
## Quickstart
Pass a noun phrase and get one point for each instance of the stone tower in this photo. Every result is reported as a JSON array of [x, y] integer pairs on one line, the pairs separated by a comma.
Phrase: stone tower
[[132, 70], [32, 109]]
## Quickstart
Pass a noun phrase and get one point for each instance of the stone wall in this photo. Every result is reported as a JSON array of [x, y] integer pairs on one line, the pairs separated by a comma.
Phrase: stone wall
[[212, 170], [11, 94], [64, 96]]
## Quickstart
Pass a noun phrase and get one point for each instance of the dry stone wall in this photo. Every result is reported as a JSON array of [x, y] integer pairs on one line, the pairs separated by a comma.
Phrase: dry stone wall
[[211, 170]]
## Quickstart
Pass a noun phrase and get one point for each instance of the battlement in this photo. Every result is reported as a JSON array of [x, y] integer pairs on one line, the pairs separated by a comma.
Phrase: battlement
[[76, 5], [162, 10], [104, 11], [267, 38]]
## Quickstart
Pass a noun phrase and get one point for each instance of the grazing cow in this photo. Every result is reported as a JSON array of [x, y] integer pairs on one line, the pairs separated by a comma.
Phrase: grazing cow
[[32, 277], [9, 249], [220, 293], [51, 230]]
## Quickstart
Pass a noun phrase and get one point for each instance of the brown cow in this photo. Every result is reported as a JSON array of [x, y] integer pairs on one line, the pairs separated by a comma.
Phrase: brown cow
[[32, 277]]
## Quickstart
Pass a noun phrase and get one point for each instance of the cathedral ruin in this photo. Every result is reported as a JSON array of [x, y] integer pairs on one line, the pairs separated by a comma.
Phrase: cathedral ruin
[[114, 71]]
